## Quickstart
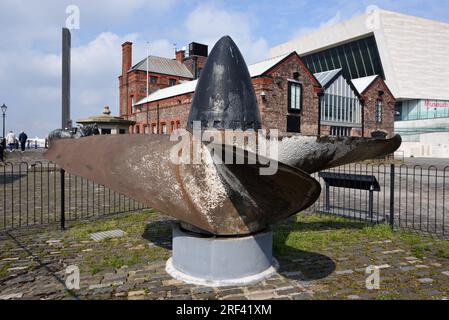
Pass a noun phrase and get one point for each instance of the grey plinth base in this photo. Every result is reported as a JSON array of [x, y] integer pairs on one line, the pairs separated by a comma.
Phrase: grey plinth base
[[220, 262]]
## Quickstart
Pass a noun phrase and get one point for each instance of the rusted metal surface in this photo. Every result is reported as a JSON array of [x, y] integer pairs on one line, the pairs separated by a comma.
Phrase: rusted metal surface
[[218, 198], [313, 154], [209, 195]]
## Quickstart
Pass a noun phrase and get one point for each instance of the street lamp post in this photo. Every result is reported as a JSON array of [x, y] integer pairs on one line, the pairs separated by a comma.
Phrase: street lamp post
[[4, 107]]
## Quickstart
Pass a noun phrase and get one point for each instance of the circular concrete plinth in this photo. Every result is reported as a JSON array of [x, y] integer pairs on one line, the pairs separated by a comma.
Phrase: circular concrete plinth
[[223, 261]]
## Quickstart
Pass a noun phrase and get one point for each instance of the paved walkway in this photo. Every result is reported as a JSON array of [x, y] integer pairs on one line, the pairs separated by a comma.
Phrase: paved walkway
[[33, 264]]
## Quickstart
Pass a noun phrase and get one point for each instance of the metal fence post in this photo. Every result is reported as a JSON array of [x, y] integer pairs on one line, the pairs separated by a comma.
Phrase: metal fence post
[[392, 168], [62, 199]]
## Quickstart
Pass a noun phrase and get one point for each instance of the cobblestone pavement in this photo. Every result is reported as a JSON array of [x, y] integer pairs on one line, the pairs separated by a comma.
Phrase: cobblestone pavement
[[33, 263]]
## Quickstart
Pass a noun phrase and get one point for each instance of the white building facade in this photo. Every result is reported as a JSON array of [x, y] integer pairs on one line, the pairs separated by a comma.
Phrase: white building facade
[[410, 53]]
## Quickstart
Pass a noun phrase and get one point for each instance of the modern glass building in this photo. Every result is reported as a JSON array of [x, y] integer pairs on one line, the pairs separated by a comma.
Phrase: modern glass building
[[357, 59], [410, 53], [340, 106]]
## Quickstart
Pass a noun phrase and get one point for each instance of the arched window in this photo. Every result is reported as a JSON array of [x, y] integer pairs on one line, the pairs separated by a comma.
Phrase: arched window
[[137, 129], [172, 126], [153, 128]]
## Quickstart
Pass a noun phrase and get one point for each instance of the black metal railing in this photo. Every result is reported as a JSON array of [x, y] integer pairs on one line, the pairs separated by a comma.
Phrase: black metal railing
[[42, 193], [411, 197]]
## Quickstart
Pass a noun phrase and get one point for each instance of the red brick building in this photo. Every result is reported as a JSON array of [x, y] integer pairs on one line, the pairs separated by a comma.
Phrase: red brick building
[[154, 73], [290, 97], [378, 105]]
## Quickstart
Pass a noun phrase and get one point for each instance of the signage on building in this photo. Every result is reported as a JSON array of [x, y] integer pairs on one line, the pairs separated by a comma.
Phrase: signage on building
[[436, 104]]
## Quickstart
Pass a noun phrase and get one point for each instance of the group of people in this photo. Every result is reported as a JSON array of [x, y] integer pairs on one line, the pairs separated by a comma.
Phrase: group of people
[[11, 141]]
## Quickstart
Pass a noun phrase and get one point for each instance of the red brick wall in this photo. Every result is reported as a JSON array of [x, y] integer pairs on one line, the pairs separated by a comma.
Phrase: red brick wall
[[133, 84], [200, 62], [370, 97], [137, 88], [173, 110], [274, 108]]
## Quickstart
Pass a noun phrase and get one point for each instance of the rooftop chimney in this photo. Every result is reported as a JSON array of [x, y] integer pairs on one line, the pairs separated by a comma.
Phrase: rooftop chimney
[[180, 55], [127, 57]]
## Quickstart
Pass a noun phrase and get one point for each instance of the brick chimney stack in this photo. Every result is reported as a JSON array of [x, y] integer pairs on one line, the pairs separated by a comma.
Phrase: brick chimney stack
[[127, 57], [180, 55]]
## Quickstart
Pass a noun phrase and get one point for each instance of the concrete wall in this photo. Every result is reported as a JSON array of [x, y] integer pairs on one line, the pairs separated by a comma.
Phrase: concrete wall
[[413, 50], [430, 145]]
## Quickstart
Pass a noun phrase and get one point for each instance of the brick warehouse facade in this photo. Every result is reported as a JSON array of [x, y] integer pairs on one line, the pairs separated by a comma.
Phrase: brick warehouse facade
[[167, 108], [377, 91]]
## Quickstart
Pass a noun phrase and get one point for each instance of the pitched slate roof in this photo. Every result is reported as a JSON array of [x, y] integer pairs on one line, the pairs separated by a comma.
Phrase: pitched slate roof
[[362, 83], [255, 70], [260, 68], [326, 77], [164, 66]]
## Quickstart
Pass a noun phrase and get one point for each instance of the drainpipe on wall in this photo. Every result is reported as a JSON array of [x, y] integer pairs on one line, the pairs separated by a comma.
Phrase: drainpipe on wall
[[157, 124], [362, 104], [148, 118], [195, 67], [320, 96]]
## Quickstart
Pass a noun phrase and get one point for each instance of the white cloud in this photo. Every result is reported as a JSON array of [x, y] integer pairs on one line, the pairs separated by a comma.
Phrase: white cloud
[[208, 23], [337, 18], [30, 59]]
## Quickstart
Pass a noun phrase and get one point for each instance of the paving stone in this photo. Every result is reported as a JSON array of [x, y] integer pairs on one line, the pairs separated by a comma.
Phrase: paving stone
[[180, 298], [18, 268], [202, 290], [11, 296], [343, 272], [302, 296], [99, 286], [121, 294], [11, 259], [354, 297], [435, 264], [103, 290], [114, 278], [421, 266], [53, 242], [110, 234], [172, 282], [446, 273], [293, 274], [411, 258], [393, 251], [264, 295], [284, 292], [433, 293], [425, 280], [407, 268], [238, 297], [230, 292], [136, 293]]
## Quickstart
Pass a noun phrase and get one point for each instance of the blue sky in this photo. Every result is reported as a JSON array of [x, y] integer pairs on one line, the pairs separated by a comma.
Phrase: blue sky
[[30, 32]]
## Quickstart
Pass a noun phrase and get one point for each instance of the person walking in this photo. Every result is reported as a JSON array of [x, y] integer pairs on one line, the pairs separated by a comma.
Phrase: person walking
[[11, 140], [23, 140]]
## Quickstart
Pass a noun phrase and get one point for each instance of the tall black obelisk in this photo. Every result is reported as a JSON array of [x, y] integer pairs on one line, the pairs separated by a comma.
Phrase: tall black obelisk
[[66, 48]]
